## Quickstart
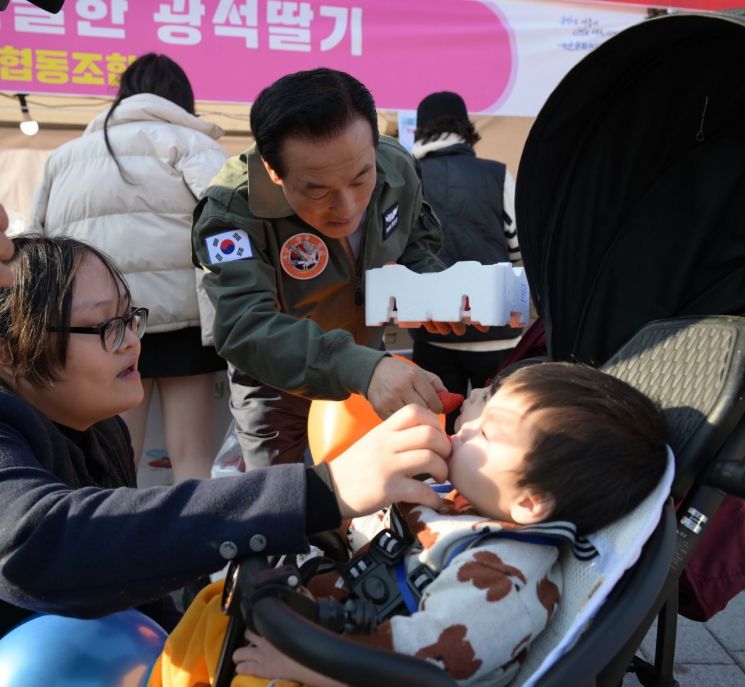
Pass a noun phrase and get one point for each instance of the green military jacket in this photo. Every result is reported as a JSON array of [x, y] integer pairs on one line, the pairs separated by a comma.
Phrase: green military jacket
[[289, 301]]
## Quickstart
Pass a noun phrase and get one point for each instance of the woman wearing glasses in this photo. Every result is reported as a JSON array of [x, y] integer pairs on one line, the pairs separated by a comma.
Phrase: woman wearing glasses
[[76, 536]]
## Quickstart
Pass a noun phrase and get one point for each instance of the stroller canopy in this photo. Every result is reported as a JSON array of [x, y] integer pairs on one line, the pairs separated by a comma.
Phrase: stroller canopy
[[631, 187]]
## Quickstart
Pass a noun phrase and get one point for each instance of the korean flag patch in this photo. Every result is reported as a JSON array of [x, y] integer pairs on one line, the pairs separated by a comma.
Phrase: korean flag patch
[[227, 246]]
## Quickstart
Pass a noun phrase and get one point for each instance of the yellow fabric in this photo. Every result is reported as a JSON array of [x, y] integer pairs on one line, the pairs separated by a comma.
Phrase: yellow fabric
[[189, 657]]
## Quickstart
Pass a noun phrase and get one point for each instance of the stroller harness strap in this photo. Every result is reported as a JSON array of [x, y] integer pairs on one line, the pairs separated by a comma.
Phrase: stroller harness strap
[[380, 574]]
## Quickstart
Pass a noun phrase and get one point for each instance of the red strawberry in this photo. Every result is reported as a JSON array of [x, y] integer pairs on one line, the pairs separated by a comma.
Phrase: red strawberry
[[450, 401]]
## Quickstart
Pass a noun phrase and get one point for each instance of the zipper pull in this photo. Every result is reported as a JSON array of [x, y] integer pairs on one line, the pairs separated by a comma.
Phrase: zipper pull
[[358, 295]]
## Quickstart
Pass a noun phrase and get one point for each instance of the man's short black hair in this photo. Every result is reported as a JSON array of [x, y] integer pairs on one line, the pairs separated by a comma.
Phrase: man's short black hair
[[317, 105], [600, 445]]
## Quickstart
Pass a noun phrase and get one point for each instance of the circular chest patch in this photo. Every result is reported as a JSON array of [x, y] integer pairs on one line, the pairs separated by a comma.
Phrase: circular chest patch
[[304, 256]]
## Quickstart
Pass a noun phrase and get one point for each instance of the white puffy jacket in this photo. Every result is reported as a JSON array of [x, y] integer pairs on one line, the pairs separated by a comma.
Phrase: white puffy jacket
[[170, 157]]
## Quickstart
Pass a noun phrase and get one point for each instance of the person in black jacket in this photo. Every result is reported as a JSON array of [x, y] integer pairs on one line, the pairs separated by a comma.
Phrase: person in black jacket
[[474, 201], [76, 535]]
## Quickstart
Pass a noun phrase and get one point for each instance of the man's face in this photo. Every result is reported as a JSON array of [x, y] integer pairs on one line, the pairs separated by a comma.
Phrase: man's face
[[329, 183]]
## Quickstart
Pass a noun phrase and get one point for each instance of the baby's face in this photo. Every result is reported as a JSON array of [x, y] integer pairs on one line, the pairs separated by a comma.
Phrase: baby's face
[[493, 435]]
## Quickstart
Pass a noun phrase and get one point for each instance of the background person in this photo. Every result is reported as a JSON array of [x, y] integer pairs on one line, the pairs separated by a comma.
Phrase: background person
[[474, 201], [285, 233], [76, 537], [129, 186], [6, 250]]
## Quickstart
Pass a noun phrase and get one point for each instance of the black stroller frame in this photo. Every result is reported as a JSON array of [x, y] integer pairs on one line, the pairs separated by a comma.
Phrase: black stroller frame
[[695, 367], [632, 227], [629, 207]]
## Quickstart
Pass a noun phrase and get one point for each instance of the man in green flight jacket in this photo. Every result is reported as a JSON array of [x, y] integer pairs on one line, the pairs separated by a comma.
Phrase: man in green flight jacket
[[285, 233]]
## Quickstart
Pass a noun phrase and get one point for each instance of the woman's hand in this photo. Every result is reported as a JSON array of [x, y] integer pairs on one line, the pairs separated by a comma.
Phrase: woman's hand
[[261, 659], [379, 469]]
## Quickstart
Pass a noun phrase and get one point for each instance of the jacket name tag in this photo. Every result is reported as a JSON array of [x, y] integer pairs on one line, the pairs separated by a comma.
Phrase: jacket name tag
[[390, 220], [227, 246]]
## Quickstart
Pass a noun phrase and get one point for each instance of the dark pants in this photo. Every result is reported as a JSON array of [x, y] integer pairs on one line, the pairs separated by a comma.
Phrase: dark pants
[[457, 368], [271, 425]]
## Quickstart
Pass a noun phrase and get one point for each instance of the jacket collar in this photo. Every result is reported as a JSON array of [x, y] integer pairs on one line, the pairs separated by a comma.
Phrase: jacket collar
[[148, 107], [443, 141], [457, 149], [267, 200]]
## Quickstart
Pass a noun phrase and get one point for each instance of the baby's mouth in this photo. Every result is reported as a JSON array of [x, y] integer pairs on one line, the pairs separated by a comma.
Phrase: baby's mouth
[[128, 370]]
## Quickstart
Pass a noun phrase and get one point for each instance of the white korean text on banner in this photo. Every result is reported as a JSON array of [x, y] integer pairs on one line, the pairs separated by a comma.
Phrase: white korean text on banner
[[503, 56]]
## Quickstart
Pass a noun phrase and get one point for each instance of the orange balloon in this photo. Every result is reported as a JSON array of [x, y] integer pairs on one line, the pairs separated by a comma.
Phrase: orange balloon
[[333, 426]]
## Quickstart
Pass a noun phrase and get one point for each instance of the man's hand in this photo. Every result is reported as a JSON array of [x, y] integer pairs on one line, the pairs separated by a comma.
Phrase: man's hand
[[395, 384], [379, 469], [451, 327], [6, 250]]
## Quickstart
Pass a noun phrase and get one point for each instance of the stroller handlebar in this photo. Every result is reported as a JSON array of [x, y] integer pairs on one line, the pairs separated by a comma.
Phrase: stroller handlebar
[[339, 658], [271, 601], [727, 475]]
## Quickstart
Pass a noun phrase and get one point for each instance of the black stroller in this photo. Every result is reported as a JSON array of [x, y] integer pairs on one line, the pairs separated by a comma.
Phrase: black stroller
[[631, 215]]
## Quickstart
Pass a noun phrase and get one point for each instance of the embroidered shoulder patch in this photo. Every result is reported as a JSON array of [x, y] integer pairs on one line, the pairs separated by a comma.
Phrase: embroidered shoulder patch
[[229, 245], [304, 256]]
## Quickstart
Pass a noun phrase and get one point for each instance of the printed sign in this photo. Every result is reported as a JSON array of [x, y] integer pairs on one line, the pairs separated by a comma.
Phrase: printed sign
[[502, 56], [406, 128]]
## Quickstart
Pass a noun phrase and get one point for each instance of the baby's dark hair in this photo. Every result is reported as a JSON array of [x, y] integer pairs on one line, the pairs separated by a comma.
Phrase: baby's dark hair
[[600, 445]]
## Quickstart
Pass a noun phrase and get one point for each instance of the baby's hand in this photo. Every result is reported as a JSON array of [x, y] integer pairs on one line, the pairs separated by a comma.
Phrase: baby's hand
[[261, 659]]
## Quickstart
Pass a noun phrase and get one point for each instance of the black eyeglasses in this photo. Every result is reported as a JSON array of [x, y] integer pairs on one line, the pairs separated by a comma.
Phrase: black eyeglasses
[[113, 331]]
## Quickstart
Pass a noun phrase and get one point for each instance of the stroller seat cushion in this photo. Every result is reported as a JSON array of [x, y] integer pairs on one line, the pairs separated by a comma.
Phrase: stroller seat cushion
[[587, 584]]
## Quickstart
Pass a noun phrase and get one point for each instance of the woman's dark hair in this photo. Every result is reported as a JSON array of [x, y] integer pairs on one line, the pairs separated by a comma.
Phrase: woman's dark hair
[[40, 298], [599, 446], [447, 125], [156, 74], [317, 105]]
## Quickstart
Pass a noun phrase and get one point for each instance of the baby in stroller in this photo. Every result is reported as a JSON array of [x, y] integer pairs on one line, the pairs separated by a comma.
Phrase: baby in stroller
[[550, 452]]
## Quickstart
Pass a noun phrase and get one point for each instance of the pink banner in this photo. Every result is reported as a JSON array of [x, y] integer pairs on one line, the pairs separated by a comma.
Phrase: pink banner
[[689, 5], [401, 49]]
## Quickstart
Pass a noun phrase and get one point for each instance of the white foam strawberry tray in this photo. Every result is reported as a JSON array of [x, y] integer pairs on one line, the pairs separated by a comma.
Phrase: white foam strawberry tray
[[491, 295]]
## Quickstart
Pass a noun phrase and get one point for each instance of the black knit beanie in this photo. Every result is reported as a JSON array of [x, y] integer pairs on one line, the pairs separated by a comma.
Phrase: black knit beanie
[[441, 104]]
